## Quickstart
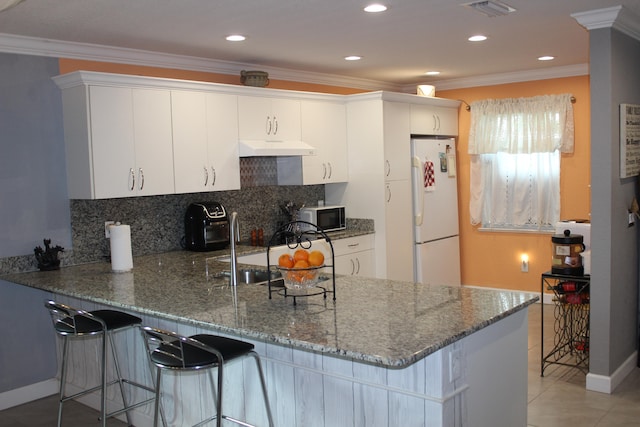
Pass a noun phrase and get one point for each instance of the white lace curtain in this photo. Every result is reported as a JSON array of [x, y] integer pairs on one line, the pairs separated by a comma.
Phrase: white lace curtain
[[541, 124], [515, 164]]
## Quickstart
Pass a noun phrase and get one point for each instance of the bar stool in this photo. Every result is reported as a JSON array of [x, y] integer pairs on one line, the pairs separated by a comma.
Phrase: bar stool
[[72, 323], [171, 351]]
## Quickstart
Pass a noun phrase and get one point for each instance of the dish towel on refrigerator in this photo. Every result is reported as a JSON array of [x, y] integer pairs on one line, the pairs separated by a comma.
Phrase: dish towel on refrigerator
[[429, 176]]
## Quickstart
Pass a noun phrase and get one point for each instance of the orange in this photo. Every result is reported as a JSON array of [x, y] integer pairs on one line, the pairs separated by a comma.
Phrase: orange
[[316, 258], [285, 261], [301, 254], [301, 263]]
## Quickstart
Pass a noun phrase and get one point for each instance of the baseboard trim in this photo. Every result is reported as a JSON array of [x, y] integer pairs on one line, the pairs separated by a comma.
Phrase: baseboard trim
[[607, 384], [28, 393]]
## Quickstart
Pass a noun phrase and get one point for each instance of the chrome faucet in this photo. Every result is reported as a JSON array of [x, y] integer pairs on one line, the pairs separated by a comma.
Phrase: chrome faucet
[[234, 238]]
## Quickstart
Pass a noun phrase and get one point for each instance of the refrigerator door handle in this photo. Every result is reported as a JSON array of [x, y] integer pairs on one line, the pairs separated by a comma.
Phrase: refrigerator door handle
[[417, 187]]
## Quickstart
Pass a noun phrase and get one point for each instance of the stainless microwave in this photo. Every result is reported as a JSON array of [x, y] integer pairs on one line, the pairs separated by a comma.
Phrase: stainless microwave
[[328, 218]]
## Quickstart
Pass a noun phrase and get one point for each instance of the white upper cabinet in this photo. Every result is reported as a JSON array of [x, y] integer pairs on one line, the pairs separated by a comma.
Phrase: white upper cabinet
[[270, 119], [324, 126], [205, 141], [397, 147], [434, 120], [118, 142]]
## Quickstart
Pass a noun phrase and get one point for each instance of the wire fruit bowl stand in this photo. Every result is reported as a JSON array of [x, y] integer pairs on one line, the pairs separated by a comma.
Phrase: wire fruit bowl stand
[[308, 281]]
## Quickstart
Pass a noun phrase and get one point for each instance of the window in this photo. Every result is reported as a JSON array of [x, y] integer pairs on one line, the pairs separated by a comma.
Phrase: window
[[515, 147]]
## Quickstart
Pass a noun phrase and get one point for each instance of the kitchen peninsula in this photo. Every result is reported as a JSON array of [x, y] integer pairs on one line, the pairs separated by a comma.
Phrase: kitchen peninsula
[[385, 353]]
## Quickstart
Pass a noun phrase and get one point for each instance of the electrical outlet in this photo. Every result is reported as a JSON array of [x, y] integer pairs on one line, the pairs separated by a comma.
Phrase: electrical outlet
[[107, 232]]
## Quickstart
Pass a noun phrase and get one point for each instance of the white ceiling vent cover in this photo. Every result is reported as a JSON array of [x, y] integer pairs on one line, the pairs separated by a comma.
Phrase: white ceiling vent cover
[[491, 8]]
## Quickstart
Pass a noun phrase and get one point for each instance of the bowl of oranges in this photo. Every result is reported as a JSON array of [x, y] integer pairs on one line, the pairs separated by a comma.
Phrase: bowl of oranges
[[301, 269]]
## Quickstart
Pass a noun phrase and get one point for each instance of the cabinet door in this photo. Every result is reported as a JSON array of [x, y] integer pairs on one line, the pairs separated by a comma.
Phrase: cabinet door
[[286, 116], [188, 112], [432, 120], [356, 264], [324, 126], [254, 117], [222, 141], [112, 142], [268, 119], [153, 142], [399, 230], [448, 121], [397, 141]]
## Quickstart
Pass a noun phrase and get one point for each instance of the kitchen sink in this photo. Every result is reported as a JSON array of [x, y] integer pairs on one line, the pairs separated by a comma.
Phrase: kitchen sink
[[256, 276]]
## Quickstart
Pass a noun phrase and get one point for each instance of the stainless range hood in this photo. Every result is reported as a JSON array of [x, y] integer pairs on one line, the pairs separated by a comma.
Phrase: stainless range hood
[[255, 148]]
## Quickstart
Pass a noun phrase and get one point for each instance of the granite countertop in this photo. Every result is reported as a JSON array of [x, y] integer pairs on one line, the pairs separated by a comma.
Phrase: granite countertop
[[383, 322]]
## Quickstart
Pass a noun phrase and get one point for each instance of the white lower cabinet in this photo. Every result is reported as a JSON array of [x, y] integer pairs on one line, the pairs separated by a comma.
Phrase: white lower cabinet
[[354, 256]]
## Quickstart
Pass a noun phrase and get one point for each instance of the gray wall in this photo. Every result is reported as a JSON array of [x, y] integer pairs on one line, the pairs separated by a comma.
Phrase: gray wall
[[615, 66], [33, 189]]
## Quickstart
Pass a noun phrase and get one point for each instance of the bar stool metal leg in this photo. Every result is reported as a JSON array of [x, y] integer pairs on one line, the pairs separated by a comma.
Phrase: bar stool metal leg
[[71, 323]]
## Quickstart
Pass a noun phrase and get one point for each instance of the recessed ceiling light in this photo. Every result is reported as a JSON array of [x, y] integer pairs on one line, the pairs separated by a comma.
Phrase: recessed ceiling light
[[236, 38], [353, 58], [376, 7], [477, 38], [432, 73], [546, 58]]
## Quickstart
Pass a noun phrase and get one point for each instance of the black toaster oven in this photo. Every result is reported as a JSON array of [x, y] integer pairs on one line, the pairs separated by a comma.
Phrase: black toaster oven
[[206, 227]]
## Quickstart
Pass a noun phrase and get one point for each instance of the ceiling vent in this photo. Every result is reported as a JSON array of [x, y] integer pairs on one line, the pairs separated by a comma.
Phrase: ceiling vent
[[491, 8]]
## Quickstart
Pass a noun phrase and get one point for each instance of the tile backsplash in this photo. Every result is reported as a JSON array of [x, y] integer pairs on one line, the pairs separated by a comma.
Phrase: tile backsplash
[[157, 222]]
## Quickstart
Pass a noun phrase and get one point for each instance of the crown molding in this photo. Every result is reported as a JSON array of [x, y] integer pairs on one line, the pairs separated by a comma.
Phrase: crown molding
[[10, 43], [505, 78], [617, 17]]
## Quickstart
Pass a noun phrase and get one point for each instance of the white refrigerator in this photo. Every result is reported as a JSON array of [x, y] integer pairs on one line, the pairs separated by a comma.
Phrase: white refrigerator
[[435, 211]]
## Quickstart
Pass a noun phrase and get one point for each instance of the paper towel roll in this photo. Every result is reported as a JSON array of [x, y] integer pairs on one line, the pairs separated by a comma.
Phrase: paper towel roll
[[121, 257]]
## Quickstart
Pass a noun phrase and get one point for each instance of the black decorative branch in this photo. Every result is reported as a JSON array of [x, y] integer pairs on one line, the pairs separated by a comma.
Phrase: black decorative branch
[[48, 257]]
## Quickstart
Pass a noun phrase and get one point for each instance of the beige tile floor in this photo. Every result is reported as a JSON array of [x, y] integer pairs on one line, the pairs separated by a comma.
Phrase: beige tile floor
[[559, 399]]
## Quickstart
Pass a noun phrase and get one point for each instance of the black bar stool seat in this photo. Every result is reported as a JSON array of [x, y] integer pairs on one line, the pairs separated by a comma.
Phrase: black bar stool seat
[[171, 351]]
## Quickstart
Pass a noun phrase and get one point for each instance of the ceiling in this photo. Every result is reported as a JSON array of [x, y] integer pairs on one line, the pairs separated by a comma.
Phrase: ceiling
[[312, 36]]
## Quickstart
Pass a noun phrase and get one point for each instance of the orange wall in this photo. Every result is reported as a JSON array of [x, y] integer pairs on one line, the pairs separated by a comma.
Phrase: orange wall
[[492, 259], [488, 258], [69, 65]]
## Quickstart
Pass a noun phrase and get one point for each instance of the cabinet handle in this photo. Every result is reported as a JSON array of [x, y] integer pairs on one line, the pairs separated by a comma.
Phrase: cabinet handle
[[206, 176], [353, 266], [388, 167], [330, 170], [324, 170], [275, 125], [353, 245], [132, 178], [388, 194], [268, 125], [213, 171], [141, 174], [438, 122], [435, 122], [358, 264]]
